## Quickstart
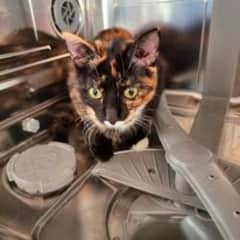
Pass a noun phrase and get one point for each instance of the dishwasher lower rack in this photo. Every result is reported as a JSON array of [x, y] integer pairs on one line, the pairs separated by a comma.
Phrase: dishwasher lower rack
[[131, 197]]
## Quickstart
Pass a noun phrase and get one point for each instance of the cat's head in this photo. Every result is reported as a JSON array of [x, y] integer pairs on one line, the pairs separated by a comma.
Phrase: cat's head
[[115, 83]]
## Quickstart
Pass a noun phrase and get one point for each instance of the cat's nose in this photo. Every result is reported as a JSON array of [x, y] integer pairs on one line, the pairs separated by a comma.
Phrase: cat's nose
[[111, 115]]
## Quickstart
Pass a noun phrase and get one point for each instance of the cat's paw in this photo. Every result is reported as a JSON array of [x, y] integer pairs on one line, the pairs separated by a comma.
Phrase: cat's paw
[[103, 149], [62, 122], [141, 145]]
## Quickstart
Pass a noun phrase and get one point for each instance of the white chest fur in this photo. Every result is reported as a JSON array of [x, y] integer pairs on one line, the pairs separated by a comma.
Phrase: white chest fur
[[141, 145]]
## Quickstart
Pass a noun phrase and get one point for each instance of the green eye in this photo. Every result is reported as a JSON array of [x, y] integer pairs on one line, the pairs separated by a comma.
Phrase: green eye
[[130, 92], [95, 93]]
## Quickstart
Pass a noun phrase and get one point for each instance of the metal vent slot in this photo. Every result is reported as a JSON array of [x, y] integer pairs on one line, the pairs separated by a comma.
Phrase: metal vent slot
[[67, 15]]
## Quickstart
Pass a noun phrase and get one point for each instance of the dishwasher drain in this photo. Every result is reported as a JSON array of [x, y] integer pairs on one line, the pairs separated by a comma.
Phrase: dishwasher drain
[[43, 169]]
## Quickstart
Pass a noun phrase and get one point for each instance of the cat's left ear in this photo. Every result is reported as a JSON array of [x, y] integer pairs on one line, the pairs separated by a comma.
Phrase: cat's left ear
[[146, 48], [82, 52]]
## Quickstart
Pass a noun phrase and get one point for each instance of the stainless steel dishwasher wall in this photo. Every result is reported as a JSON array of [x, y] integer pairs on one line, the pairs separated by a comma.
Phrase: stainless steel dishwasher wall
[[12, 16]]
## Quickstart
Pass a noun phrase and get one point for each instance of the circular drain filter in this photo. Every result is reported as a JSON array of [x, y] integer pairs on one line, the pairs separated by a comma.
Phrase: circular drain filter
[[43, 169], [67, 16]]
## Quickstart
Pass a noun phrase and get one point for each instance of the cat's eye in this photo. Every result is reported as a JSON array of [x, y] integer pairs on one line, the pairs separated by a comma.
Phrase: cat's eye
[[130, 92], [95, 93]]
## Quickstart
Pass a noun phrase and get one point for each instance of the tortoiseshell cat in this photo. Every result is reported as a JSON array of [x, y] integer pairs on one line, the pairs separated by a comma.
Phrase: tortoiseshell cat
[[115, 82]]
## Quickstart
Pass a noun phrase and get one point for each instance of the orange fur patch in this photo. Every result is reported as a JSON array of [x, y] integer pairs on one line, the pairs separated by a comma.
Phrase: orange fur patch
[[145, 94]]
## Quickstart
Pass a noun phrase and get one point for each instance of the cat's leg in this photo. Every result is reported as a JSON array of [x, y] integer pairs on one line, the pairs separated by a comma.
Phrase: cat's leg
[[63, 121], [101, 147]]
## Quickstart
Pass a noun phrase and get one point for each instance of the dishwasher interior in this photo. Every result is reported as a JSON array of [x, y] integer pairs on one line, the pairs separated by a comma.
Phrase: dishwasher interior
[[136, 195]]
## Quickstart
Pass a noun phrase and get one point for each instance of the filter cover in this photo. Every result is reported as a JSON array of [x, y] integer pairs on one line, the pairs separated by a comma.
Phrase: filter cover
[[43, 169]]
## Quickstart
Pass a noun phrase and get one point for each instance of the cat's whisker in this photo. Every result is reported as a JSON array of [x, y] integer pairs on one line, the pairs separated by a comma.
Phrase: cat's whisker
[[139, 124], [87, 128], [88, 122], [90, 128], [88, 133], [90, 140], [94, 135], [145, 119], [143, 124], [85, 132]]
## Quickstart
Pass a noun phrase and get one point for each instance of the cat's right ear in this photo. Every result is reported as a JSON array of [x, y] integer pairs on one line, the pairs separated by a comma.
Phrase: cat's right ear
[[82, 52]]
